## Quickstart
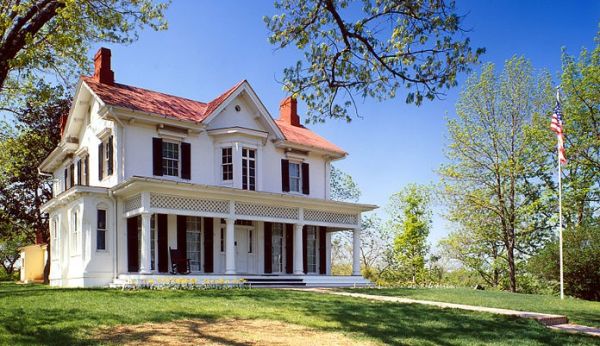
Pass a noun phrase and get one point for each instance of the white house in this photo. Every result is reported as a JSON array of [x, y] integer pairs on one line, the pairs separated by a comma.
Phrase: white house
[[239, 194]]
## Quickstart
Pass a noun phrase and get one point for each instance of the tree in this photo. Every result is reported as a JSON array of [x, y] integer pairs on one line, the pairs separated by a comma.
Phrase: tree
[[499, 163], [369, 49], [581, 110], [38, 37], [410, 217], [23, 146], [10, 242], [581, 261]]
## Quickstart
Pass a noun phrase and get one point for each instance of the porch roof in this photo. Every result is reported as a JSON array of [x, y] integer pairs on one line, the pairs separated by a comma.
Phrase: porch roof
[[143, 194]]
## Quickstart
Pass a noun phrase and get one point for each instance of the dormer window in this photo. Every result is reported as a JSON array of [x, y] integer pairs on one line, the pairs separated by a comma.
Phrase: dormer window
[[170, 158]]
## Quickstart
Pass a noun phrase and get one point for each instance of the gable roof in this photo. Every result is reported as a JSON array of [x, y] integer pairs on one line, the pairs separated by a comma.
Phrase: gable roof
[[300, 135], [154, 102]]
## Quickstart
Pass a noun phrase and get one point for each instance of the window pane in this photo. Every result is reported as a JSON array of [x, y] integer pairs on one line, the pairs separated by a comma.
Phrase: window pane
[[101, 219], [101, 240]]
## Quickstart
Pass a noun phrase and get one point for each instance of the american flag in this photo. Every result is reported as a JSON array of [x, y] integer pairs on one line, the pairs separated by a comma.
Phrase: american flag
[[557, 126]]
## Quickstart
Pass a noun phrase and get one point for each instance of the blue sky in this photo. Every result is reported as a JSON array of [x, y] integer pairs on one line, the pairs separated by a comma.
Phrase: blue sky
[[211, 45]]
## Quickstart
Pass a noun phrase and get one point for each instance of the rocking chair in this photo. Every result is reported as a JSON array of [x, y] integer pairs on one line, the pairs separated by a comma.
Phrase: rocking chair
[[179, 263]]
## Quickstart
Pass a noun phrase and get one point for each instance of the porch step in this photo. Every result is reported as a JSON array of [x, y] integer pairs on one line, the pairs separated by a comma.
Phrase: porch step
[[274, 282]]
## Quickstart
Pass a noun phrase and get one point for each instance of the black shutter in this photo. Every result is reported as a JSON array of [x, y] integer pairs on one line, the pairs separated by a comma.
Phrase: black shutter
[[163, 243], [305, 179], [109, 153], [157, 156], [100, 162], [268, 247], [285, 175], [289, 248], [66, 179], [182, 239], [304, 250], [208, 244], [86, 170], [322, 248], [186, 164], [133, 263], [72, 175]]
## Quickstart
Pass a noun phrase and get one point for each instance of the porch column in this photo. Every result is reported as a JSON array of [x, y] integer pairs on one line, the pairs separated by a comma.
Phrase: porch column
[[229, 246], [145, 241], [298, 255], [356, 251]]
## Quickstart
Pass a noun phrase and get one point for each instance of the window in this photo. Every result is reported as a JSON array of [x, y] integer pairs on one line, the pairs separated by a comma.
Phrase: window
[[54, 239], [248, 169], [227, 163], [66, 182], [277, 248], [83, 171], [311, 249], [101, 230], [295, 182], [170, 158], [193, 242], [105, 158], [71, 175], [75, 235]]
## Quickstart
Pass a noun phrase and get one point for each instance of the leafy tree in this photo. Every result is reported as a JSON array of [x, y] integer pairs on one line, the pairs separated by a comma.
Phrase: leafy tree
[[23, 146], [365, 48], [581, 249], [10, 242], [581, 110], [342, 186], [499, 161], [410, 217], [40, 37]]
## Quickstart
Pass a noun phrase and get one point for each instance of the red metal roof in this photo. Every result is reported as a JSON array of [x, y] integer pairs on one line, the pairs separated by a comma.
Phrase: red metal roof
[[303, 136], [148, 101]]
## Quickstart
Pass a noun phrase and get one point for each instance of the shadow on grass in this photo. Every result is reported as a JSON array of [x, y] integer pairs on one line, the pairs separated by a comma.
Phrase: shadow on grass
[[67, 316]]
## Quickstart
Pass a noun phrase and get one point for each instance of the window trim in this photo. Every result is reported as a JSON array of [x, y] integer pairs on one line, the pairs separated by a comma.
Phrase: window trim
[[105, 229], [249, 159], [230, 164], [179, 158], [290, 177], [75, 236]]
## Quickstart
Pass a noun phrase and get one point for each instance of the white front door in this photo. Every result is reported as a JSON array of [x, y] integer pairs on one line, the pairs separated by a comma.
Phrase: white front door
[[241, 249]]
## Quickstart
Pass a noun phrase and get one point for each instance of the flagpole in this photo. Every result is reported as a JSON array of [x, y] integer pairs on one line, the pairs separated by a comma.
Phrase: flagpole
[[560, 219]]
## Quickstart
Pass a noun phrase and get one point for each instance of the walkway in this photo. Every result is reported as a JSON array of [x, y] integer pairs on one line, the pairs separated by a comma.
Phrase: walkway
[[558, 322]]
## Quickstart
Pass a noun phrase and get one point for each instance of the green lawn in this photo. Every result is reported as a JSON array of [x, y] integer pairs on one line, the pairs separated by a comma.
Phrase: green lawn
[[577, 310], [43, 315]]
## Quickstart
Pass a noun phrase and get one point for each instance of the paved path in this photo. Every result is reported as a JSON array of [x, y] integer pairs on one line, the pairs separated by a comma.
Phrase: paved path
[[558, 322]]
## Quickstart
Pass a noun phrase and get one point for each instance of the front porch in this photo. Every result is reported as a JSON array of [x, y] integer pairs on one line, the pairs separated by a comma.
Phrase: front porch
[[253, 281], [231, 234]]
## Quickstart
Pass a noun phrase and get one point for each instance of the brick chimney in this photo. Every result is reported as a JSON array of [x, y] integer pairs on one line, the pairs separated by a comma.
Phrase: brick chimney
[[102, 71], [288, 111]]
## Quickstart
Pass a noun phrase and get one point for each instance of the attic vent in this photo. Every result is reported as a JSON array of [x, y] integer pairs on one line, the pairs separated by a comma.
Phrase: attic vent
[[238, 108]]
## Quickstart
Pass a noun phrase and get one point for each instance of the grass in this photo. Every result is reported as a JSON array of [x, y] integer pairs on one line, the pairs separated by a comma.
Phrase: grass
[[42, 315], [577, 310]]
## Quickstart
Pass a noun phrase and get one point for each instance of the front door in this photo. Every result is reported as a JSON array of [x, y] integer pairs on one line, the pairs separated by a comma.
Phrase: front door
[[243, 248]]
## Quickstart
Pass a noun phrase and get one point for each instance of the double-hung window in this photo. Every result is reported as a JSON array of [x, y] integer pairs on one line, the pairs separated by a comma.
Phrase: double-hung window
[[105, 158], [75, 234], [170, 158], [101, 230], [227, 163], [248, 169], [295, 177]]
